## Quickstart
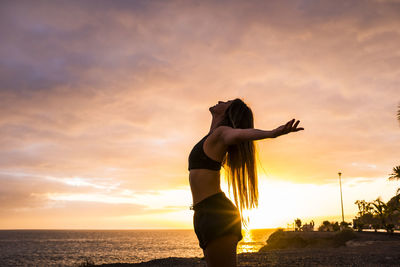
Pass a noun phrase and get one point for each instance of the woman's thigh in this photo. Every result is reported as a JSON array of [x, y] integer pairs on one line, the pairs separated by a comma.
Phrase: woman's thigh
[[221, 251]]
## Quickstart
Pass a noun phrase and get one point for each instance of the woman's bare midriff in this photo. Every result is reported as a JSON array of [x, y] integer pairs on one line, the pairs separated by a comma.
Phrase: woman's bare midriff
[[204, 183]]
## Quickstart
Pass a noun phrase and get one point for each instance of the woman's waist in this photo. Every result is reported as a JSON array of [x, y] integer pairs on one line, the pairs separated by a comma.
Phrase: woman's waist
[[217, 203], [204, 173], [203, 185], [204, 180]]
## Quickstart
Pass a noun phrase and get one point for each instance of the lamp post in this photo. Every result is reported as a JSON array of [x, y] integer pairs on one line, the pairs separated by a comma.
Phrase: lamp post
[[341, 198]]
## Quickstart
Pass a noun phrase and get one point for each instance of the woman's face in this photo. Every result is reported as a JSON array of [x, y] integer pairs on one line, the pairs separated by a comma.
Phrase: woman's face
[[221, 107]]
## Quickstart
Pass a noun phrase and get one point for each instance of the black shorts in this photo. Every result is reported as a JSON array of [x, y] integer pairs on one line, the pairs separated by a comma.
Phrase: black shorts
[[216, 216]]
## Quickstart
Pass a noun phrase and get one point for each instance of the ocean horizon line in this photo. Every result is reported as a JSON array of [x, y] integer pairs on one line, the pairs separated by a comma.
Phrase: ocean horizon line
[[124, 229]]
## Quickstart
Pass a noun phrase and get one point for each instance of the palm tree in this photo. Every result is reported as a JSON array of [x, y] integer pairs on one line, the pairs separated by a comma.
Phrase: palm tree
[[394, 203], [298, 224], [398, 113], [366, 216], [384, 213], [393, 206], [395, 174], [364, 207], [379, 208]]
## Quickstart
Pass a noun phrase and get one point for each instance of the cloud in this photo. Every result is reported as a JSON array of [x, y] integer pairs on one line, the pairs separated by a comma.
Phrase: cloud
[[24, 193], [120, 90]]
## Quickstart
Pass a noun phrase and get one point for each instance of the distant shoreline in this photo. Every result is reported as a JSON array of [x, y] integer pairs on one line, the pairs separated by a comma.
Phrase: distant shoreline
[[364, 231]]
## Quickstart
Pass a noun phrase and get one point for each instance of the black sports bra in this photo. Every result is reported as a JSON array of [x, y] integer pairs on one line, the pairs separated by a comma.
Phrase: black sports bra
[[199, 160]]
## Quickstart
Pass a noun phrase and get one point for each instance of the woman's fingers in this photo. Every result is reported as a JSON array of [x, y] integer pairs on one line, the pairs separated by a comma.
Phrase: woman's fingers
[[289, 127], [294, 127]]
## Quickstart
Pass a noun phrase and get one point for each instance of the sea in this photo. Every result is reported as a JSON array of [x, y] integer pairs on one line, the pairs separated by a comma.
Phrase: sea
[[73, 247]]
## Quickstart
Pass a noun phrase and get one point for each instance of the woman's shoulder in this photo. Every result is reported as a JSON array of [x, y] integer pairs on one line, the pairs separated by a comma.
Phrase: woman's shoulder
[[218, 133], [221, 129]]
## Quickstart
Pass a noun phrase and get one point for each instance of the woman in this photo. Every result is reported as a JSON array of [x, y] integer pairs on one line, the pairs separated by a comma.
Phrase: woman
[[217, 221]]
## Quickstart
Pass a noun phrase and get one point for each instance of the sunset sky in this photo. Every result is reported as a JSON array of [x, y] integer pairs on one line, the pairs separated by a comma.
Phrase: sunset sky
[[102, 101]]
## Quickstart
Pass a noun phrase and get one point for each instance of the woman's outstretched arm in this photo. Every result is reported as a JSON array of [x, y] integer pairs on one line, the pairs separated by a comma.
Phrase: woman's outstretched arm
[[230, 136]]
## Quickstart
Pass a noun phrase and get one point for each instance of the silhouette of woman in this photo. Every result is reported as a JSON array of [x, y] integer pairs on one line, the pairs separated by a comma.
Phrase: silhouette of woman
[[217, 221]]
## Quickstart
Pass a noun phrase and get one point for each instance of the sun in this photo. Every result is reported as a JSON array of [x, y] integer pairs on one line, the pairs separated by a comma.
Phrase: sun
[[279, 204]]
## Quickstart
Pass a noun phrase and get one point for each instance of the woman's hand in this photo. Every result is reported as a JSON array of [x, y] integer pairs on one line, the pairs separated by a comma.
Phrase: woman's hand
[[287, 128]]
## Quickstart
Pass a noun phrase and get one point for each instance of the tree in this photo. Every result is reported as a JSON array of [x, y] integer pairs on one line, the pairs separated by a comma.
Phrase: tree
[[393, 210], [379, 206], [396, 173], [378, 214], [398, 113], [326, 226], [364, 207], [344, 225], [335, 226], [381, 210], [298, 224], [365, 216]]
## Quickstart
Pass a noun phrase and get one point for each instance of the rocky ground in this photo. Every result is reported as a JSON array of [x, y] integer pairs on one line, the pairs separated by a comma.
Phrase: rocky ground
[[367, 249]]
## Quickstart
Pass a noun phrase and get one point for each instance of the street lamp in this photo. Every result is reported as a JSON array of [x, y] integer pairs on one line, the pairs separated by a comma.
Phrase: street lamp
[[341, 198]]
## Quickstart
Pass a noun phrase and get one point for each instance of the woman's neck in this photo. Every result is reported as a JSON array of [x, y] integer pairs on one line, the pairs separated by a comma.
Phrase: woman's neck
[[216, 120]]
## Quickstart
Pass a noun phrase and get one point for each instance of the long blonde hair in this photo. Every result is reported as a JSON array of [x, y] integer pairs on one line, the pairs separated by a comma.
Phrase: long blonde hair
[[239, 162]]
